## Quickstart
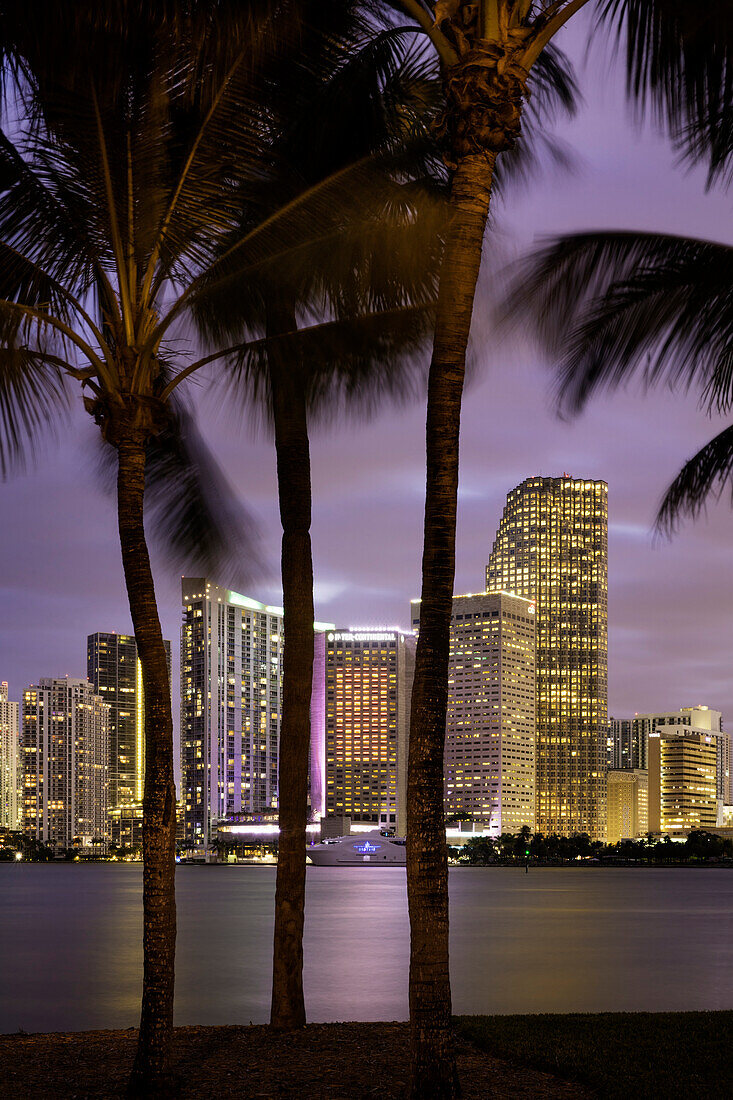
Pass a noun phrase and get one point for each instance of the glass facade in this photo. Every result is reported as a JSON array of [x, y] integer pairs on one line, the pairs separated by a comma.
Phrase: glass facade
[[114, 671]]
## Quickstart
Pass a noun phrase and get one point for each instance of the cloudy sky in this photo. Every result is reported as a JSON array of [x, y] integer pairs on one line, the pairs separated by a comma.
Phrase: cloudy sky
[[670, 605]]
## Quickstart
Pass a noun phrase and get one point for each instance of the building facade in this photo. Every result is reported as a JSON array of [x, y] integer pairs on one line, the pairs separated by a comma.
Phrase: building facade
[[683, 781], [115, 673], [552, 548], [627, 743], [65, 752], [627, 800], [10, 771], [490, 727], [231, 700], [697, 719], [368, 683]]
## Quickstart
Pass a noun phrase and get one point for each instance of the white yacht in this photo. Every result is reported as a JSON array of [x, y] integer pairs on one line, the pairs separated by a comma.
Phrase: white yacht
[[376, 848]]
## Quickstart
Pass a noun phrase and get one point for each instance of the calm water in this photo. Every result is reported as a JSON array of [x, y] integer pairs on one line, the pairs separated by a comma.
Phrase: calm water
[[554, 940]]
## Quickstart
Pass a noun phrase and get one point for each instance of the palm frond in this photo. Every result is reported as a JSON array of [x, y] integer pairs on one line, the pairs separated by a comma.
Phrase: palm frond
[[679, 65], [193, 515], [706, 474], [348, 366], [34, 403], [614, 305]]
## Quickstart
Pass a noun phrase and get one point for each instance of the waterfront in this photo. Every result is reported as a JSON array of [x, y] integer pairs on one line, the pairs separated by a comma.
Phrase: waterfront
[[555, 940]]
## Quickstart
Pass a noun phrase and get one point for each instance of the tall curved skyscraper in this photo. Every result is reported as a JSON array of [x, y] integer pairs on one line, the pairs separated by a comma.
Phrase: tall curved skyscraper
[[552, 547]]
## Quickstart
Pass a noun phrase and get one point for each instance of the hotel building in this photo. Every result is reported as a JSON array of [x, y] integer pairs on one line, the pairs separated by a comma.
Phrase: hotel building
[[65, 751], [368, 684], [10, 776], [552, 548], [490, 728], [231, 699], [115, 673], [628, 804]]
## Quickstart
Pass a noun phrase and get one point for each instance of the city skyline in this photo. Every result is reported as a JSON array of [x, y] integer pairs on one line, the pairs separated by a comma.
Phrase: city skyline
[[672, 601]]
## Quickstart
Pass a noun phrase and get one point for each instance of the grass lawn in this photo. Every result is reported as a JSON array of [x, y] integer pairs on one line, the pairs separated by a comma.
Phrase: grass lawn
[[633, 1055]]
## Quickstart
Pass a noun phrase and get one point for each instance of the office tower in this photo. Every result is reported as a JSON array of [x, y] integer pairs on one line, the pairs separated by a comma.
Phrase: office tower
[[490, 728], [231, 696], [627, 743], [368, 685], [115, 673], [699, 719], [627, 800], [65, 750], [683, 778], [552, 548], [10, 776]]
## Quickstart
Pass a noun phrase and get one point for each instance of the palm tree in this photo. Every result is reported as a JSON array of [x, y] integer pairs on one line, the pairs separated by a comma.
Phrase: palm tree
[[490, 51], [339, 331], [612, 305], [129, 134]]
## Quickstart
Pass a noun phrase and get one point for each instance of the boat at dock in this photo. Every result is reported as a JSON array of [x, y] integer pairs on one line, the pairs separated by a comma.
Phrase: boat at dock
[[375, 849]]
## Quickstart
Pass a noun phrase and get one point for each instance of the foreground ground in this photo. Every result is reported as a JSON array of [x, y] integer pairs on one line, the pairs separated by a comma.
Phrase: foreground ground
[[618, 1055], [323, 1062], [608, 1055]]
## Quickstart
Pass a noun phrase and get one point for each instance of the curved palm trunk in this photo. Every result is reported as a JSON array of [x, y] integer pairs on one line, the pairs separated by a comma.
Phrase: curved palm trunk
[[433, 1064], [151, 1071], [294, 490]]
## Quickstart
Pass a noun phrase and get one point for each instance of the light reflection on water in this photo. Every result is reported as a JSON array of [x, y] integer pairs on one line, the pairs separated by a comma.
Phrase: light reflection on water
[[555, 940]]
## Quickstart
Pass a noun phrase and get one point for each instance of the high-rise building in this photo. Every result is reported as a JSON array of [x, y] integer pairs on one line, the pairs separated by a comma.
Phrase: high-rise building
[[698, 719], [627, 743], [10, 774], [115, 673], [683, 768], [627, 798], [65, 749], [552, 548], [368, 684], [231, 698], [490, 728]]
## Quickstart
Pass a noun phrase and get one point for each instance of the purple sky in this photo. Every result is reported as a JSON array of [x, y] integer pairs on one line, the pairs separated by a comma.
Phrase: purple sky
[[670, 605]]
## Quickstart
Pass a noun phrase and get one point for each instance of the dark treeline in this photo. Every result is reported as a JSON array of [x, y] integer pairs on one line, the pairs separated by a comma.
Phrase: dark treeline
[[523, 847]]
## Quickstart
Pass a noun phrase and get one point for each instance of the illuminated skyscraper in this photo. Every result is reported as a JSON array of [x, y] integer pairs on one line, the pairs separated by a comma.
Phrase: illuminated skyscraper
[[114, 671], [552, 547], [368, 686], [10, 776], [65, 751], [490, 727], [231, 698]]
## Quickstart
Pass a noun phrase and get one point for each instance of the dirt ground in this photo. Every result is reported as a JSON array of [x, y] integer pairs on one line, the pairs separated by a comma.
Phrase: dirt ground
[[323, 1062]]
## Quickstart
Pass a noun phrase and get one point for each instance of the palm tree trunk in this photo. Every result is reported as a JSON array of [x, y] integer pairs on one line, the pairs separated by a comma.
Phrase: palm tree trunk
[[151, 1071], [294, 490], [433, 1066]]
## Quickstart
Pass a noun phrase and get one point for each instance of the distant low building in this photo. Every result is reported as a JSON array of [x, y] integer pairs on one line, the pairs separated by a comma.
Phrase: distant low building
[[628, 804], [126, 826]]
